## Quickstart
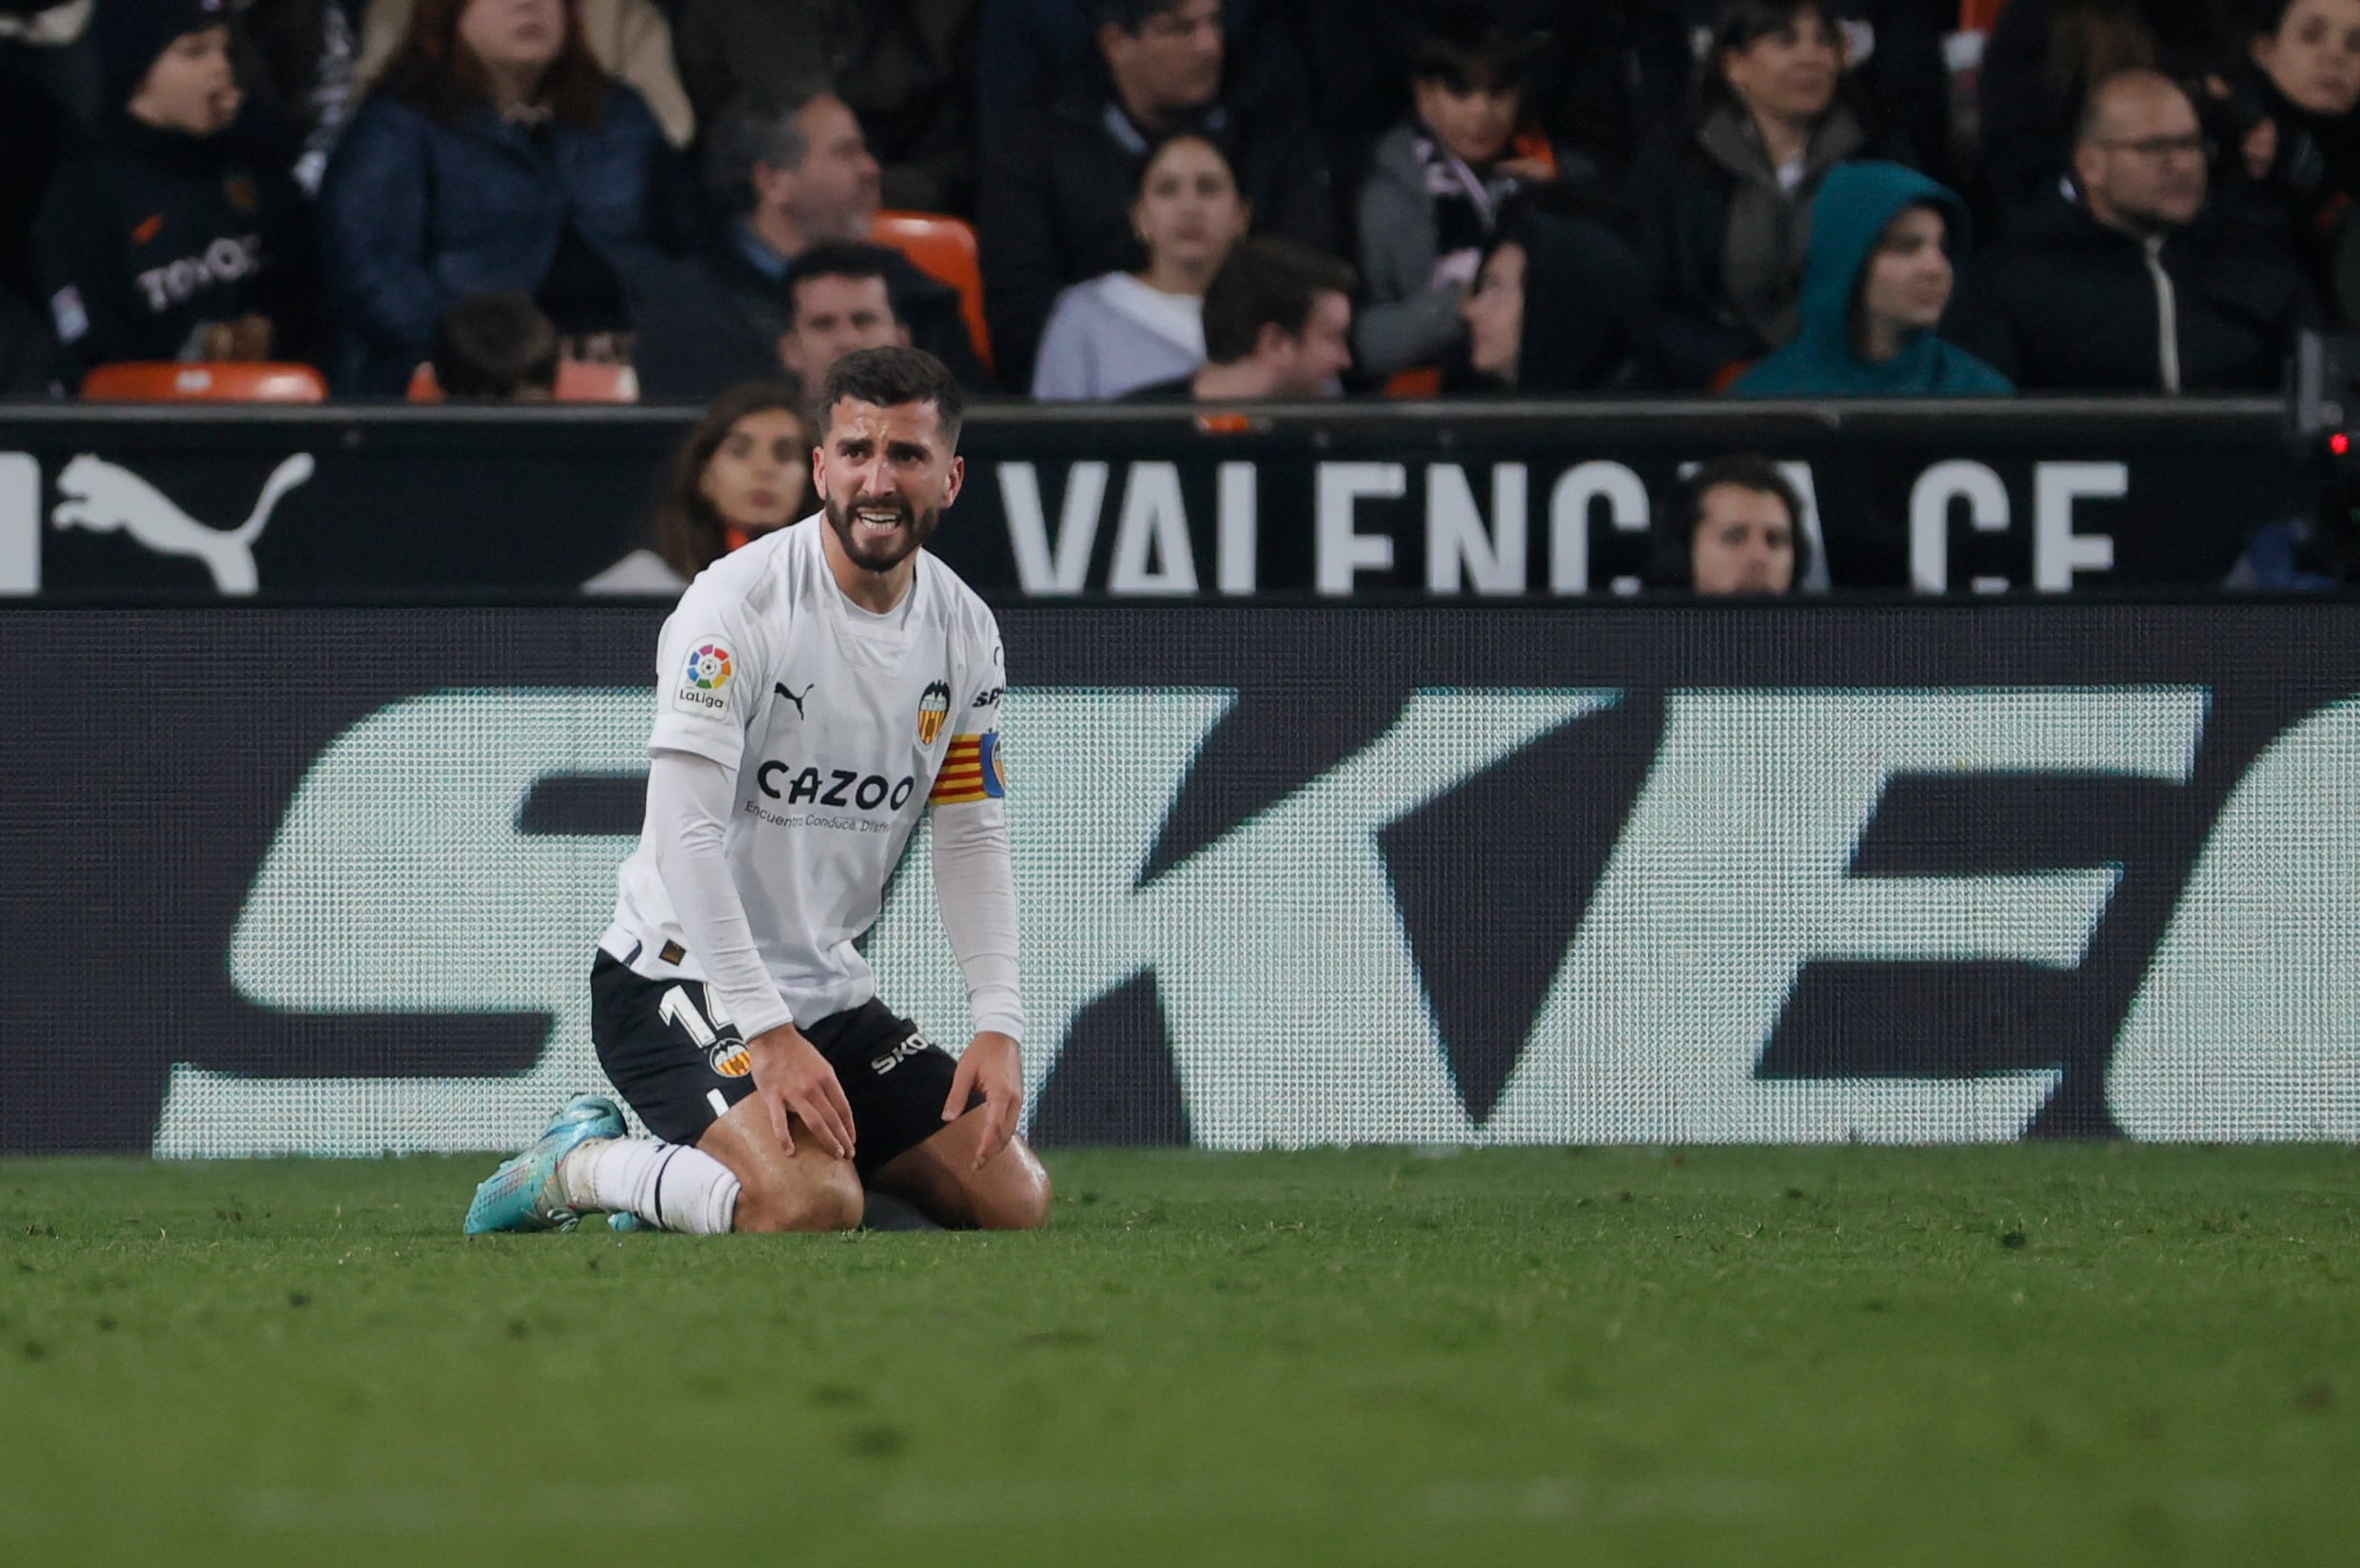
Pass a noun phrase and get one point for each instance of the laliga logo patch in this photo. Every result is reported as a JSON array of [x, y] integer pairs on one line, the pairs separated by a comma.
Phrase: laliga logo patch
[[931, 709], [708, 667], [703, 683]]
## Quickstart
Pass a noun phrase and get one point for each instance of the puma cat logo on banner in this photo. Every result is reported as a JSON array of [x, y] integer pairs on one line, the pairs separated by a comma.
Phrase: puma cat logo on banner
[[104, 497]]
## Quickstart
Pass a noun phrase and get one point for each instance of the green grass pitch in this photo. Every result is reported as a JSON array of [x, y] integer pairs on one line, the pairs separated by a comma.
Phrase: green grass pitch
[[2037, 1354]]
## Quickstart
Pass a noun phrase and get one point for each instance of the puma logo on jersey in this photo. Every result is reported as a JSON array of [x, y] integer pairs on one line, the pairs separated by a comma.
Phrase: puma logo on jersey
[[780, 686]]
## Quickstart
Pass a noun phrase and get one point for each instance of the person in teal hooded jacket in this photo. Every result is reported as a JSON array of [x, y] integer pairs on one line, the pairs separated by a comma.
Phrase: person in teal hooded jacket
[[1877, 279]]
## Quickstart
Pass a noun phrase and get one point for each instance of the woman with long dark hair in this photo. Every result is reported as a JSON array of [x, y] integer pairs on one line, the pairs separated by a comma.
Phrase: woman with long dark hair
[[2290, 119], [1120, 331], [1728, 228], [742, 472], [492, 155]]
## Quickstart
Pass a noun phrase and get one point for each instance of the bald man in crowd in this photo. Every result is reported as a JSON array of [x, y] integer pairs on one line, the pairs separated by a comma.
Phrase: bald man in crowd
[[2136, 285]]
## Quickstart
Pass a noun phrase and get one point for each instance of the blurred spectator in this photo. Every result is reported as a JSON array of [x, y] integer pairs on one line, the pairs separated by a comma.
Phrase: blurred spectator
[[1894, 49], [839, 299], [1033, 51], [901, 66], [496, 346], [1561, 306], [180, 235], [629, 39], [1278, 326], [492, 154], [1617, 78], [1431, 201], [1057, 188], [2289, 139], [2134, 287], [2038, 65], [1734, 527], [299, 56], [742, 472], [1127, 329], [27, 350], [49, 97], [794, 171], [1727, 227], [1878, 280]]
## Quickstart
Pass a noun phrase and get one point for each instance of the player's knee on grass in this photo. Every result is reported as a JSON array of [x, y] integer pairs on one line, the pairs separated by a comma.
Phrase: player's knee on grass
[[1011, 1192], [1016, 1205], [813, 1197]]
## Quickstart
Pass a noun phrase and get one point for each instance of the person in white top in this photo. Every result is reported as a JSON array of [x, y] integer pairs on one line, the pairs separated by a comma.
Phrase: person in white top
[[817, 692], [1122, 330]]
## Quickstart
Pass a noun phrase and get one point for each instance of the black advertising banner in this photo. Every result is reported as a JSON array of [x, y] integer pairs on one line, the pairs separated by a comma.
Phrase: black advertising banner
[[326, 881], [1379, 503]]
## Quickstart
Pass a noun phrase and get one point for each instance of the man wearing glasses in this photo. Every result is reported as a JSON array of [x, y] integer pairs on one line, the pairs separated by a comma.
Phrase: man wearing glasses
[[2133, 284]]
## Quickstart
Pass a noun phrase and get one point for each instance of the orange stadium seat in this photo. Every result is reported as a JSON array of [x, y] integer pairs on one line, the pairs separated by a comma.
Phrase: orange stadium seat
[[577, 382], [1419, 380], [210, 381], [941, 247], [1978, 16]]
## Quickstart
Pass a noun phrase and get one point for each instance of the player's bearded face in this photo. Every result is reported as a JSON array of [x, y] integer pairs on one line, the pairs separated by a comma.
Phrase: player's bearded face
[[879, 532]]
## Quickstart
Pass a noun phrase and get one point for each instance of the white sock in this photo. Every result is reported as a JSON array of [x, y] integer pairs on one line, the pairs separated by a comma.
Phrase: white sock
[[669, 1186]]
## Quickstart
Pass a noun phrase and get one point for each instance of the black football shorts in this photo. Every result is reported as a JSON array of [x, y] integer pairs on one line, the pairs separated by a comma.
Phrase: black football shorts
[[681, 1069]]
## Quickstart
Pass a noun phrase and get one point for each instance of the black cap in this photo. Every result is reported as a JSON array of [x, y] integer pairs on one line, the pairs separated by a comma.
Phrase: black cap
[[129, 36]]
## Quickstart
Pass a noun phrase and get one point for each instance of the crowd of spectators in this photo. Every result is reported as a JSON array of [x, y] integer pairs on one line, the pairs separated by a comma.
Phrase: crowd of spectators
[[1542, 197]]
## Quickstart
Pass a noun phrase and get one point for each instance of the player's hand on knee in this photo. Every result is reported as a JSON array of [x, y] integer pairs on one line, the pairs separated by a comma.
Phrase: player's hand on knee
[[791, 1075], [994, 1066]]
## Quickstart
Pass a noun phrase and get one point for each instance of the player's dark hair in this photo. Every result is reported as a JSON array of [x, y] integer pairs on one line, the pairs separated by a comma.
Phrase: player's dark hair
[[1266, 282], [495, 345], [690, 535], [1675, 534], [1129, 15], [888, 376], [1465, 46], [840, 259]]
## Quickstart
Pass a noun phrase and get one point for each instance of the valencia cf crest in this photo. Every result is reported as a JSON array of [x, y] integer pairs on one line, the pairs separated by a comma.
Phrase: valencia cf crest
[[931, 709]]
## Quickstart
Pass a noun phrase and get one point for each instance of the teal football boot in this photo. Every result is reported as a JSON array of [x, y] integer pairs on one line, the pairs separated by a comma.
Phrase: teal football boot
[[524, 1193]]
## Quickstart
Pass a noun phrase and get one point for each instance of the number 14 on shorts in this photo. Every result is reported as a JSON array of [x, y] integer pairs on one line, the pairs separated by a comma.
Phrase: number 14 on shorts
[[710, 1030]]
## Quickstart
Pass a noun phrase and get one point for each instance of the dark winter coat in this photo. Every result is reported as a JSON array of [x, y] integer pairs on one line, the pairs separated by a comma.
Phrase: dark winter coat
[[154, 234], [1057, 191], [1713, 311], [416, 215], [719, 324], [2311, 182], [2067, 305]]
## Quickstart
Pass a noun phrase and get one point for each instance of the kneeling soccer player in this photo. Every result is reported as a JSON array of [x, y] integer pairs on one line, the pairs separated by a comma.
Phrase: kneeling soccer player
[[816, 691]]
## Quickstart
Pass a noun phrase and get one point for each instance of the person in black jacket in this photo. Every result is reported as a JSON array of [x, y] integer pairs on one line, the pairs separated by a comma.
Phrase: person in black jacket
[[180, 235], [1056, 206], [1726, 227], [794, 172], [2134, 287], [2288, 129]]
